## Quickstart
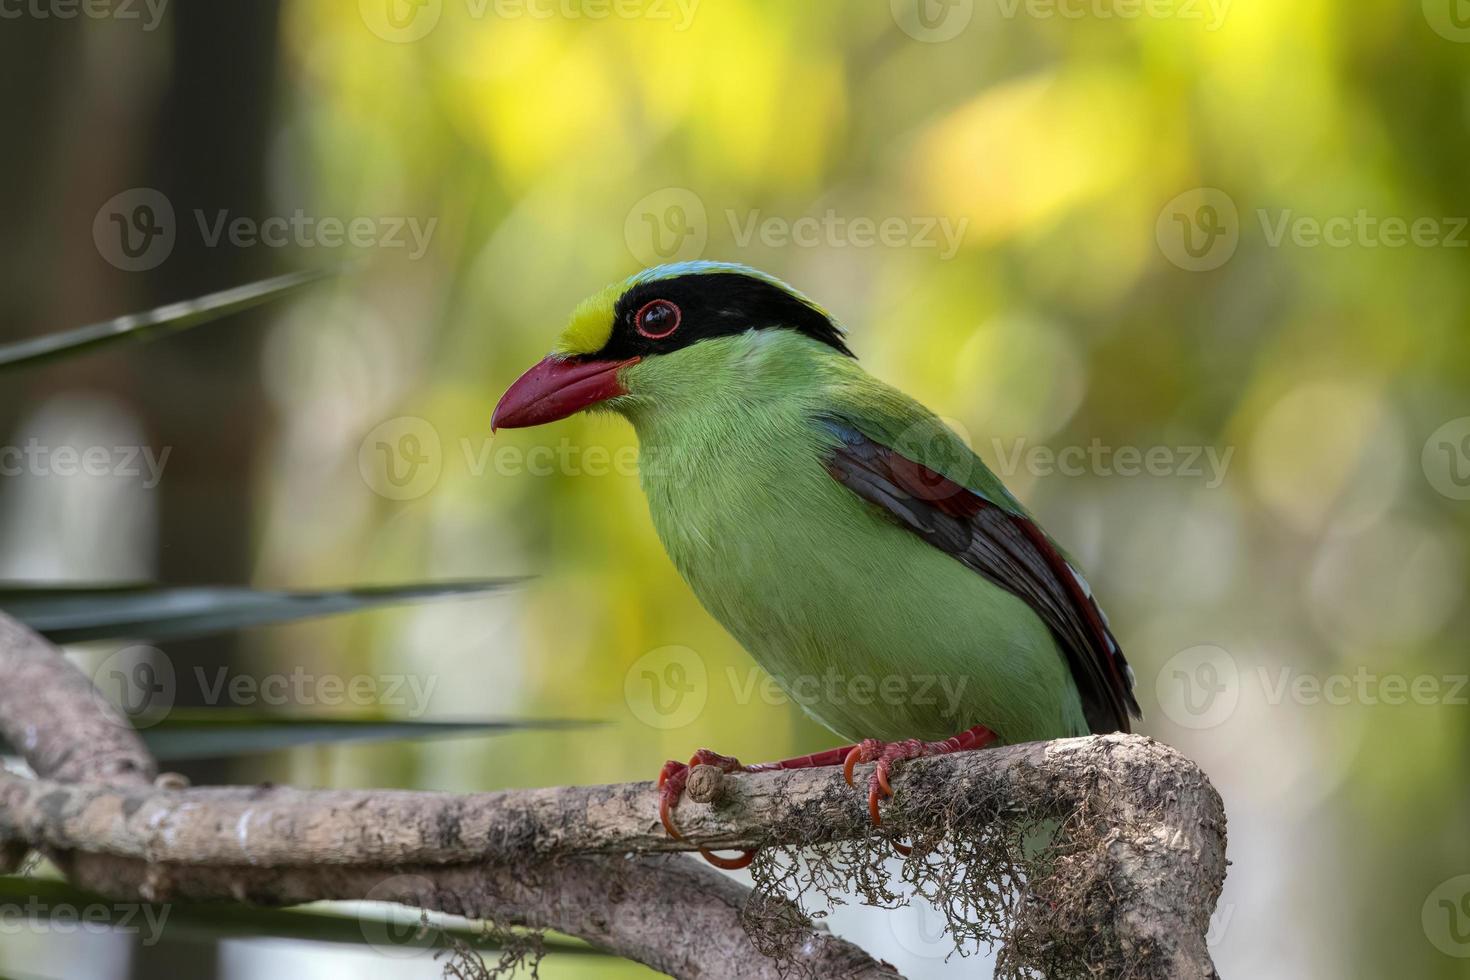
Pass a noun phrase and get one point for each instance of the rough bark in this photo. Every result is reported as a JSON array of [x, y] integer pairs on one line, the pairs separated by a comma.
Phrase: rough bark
[[283, 827], [58, 721], [1139, 866], [666, 911]]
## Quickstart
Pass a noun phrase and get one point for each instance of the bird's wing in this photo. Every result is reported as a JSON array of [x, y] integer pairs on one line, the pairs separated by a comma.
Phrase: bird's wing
[[974, 519]]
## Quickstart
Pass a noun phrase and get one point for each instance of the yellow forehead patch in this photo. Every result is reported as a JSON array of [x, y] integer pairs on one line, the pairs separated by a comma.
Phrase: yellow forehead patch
[[591, 324]]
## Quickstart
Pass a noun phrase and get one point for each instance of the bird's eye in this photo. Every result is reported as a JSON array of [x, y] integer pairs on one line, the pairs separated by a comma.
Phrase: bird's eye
[[657, 319]]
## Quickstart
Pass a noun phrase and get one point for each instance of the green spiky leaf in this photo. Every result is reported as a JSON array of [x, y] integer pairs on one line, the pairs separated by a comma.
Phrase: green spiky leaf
[[219, 732], [74, 614], [212, 733], [368, 924], [154, 323]]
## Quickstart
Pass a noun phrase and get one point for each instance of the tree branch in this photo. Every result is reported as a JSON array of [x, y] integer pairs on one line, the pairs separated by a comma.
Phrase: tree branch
[[283, 827], [58, 721], [666, 911], [1140, 852]]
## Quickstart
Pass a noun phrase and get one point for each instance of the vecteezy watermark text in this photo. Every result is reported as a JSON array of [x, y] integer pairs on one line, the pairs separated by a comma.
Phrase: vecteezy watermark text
[[123, 10], [142, 682], [137, 229], [1202, 686], [1200, 229], [297, 687], [1362, 229], [37, 459], [837, 688], [672, 224], [1363, 686], [403, 458], [37, 915], [669, 687], [307, 231], [1197, 462], [832, 230]]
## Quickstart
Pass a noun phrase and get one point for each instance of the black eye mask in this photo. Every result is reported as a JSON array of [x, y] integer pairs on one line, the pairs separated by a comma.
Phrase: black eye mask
[[669, 314]]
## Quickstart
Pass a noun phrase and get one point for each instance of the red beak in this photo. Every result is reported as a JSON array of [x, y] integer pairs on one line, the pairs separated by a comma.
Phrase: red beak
[[556, 388]]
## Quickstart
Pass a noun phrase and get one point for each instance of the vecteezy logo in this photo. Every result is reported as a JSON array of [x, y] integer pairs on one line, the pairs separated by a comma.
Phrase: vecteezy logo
[[399, 932], [667, 688], [1446, 459], [1199, 230], [401, 458], [1450, 19], [669, 225], [1446, 917], [1199, 687], [940, 448], [140, 681], [400, 21], [932, 21], [135, 230], [921, 929]]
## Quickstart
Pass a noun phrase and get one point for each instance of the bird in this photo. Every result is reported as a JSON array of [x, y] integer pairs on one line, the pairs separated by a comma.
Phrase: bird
[[845, 536]]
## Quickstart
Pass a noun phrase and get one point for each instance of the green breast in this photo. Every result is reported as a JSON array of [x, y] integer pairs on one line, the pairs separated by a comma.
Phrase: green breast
[[871, 630]]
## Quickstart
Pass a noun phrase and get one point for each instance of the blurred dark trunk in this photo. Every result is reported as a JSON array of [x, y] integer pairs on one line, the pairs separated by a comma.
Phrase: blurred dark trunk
[[35, 58], [185, 109], [207, 154]]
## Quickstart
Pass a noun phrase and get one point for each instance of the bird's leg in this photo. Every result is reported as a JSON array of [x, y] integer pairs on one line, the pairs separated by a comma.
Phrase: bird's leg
[[675, 775], [887, 753]]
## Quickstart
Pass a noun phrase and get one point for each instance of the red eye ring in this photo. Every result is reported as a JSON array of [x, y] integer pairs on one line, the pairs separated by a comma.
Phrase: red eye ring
[[640, 318]]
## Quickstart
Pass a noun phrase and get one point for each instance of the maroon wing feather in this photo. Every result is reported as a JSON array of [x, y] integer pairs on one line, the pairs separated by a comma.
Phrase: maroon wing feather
[[1008, 549]]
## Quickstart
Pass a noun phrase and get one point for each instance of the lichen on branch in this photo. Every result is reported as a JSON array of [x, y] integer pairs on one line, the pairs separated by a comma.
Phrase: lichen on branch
[[1081, 857]]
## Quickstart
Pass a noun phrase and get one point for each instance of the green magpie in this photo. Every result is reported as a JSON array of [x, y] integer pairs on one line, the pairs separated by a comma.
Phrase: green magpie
[[872, 564]]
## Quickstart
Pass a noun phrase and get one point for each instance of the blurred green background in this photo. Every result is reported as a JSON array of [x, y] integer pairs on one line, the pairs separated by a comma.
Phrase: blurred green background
[[1192, 276]]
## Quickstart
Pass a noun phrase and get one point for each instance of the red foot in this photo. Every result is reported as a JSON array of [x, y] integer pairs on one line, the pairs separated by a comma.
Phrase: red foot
[[887, 753], [672, 779], [675, 776]]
